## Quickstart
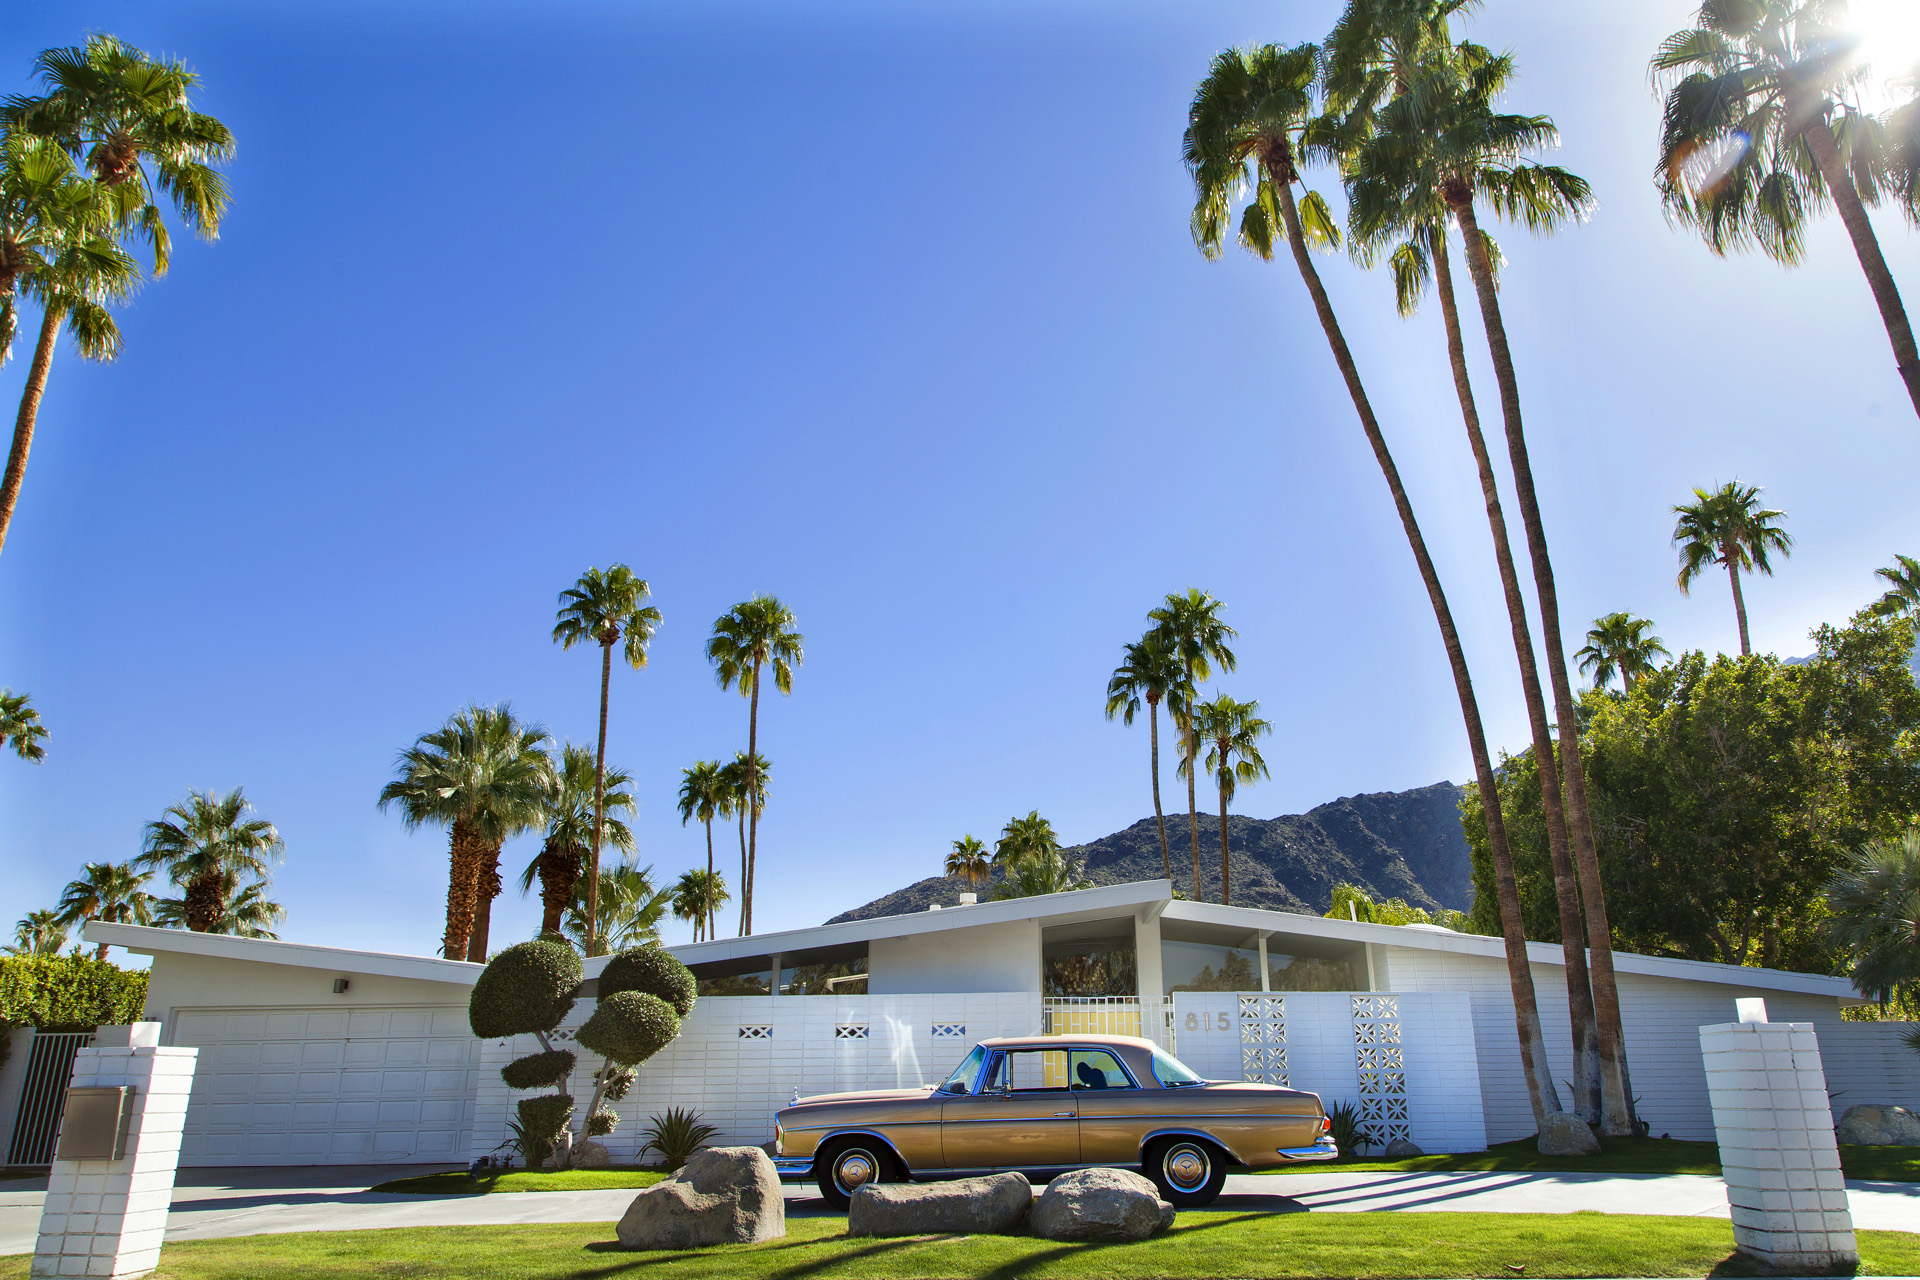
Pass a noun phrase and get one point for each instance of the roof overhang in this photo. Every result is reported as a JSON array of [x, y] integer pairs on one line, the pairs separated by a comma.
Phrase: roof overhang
[[147, 941]]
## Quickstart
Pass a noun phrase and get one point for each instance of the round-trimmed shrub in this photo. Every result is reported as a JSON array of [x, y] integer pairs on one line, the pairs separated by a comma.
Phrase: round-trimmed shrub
[[537, 1070], [629, 1027], [542, 1121], [602, 1122], [654, 971], [526, 988]]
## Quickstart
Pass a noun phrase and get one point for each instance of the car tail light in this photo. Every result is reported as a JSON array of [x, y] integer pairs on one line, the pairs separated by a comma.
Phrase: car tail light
[[1326, 1124]]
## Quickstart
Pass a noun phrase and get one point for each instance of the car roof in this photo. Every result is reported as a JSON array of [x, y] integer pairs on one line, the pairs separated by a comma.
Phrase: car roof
[[1068, 1041]]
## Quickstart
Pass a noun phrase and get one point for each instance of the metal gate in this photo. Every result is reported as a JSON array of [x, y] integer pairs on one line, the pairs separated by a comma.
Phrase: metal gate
[[44, 1095]]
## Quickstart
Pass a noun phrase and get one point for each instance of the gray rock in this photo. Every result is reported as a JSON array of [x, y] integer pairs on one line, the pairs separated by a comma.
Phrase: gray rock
[[1401, 1149], [1879, 1125], [1100, 1204], [965, 1206], [588, 1154], [723, 1195], [1563, 1133]]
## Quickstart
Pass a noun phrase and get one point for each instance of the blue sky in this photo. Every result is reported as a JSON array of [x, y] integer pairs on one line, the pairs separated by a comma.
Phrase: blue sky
[[892, 312]]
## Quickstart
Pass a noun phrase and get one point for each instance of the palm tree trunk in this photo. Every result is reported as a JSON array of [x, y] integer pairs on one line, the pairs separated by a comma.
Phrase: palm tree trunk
[[1226, 885], [559, 870], [29, 414], [706, 890], [1616, 1105], [753, 804], [1191, 745], [1581, 1013], [486, 889], [1739, 600], [599, 795], [1906, 357], [743, 870], [1526, 1011], [464, 851], [1159, 818]]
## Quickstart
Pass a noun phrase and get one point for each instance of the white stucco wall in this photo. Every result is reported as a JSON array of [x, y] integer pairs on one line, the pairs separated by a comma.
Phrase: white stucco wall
[[203, 982], [992, 957]]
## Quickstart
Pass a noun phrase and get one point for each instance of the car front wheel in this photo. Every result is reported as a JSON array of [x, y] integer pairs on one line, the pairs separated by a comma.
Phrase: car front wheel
[[850, 1164], [1188, 1172]]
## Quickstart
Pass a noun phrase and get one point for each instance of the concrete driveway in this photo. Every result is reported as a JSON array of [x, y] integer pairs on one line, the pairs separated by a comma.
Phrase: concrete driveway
[[243, 1202]]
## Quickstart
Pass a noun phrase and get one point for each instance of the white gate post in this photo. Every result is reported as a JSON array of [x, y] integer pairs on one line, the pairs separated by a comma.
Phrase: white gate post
[[1777, 1151], [105, 1215]]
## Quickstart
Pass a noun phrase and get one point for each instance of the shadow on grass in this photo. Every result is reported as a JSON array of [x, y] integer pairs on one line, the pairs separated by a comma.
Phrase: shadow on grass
[[1739, 1264]]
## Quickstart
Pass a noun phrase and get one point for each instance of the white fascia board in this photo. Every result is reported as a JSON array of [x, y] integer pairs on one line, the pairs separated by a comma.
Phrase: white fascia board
[[1256, 919], [1052, 908], [147, 941]]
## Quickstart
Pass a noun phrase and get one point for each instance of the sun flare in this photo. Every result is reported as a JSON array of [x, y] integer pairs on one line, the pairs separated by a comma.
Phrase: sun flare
[[1889, 37]]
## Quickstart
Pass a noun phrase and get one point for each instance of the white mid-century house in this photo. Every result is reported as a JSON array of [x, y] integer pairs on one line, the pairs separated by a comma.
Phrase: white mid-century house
[[315, 1055]]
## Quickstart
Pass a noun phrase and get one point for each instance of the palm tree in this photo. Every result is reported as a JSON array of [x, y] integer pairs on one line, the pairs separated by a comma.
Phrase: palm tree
[[968, 861], [57, 246], [1619, 644], [1031, 876], [20, 726], [130, 119], [575, 784], [734, 787], [705, 794], [1902, 596], [1233, 731], [1150, 672], [1189, 624], [1025, 838], [1728, 527], [1246, 127], [690, 903], [106, 892], [756, 633], [244, 914], [599, 608], [39, 933], [1875, 903], [211, 848], [1757, 136], [630, 907], [486, 776]]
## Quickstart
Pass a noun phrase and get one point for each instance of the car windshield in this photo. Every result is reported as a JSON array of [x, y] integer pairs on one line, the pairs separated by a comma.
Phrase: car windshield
[[1172, 1072], [961, 1081]]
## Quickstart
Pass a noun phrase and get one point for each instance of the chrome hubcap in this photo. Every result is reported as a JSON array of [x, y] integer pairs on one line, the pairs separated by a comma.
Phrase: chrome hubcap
[[856, 1169], [1186, 1167]]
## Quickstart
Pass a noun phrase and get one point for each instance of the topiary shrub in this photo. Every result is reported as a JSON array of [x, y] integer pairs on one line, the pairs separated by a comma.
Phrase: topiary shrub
[[537, 1070], [654, 971], [542, 1121], [602, 1122], [629, 1027], [525, 990]]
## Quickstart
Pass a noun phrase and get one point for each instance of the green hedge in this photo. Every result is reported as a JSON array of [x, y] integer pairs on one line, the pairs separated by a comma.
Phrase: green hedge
[[62, 993]]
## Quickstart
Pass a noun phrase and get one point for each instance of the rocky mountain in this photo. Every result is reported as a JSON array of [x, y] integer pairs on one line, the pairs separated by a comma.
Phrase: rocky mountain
[[1393, 844]]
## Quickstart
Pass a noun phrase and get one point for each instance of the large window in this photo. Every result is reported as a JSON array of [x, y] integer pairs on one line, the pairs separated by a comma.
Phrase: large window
[[1315, 973], [1202, 966], [1089, 966], [1208, 966]]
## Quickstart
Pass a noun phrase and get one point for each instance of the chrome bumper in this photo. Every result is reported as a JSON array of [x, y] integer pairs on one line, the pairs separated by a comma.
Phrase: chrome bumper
[[793, 1168], [1321, 1150]]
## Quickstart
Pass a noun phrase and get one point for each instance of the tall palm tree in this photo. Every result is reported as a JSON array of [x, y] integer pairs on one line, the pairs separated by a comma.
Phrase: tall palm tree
[[20, 726], [1189, 624], [1620, 644], [106, 892], [631, 909], [129, 118], [1758, 134], [599, 609], [1902, 595], [1245, 131], [754, 635], [1232, 731], [735, 787], [968, 861], [1728, 526], [1151, 672], [486, 776], [245, 912], [39, 933], [211, 847], [705, 794], [577, 789], [690, 902]]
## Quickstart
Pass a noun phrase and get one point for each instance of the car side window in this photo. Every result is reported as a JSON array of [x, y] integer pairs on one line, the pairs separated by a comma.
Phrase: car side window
[[1096, 1069], [1029, 1071]]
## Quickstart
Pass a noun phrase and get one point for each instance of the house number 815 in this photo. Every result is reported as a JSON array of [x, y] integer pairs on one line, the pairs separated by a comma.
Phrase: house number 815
[[1194, 1023]]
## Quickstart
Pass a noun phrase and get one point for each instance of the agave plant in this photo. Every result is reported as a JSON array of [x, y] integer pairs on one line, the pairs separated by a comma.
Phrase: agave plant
[[676, 1135], [1349, 1133]]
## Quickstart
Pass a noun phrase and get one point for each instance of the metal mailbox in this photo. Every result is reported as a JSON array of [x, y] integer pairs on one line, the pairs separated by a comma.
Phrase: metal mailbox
[[94, 1124]]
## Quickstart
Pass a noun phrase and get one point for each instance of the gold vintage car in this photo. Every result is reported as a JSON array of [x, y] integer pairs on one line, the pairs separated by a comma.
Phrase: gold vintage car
[[1046, 1104]]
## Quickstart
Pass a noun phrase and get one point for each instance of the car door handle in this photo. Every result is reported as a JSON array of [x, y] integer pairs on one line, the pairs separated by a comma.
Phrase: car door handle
[[1058, 1114]]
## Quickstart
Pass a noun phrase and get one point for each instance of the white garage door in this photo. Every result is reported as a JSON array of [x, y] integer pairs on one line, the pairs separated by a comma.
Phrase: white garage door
[[329, 1086]]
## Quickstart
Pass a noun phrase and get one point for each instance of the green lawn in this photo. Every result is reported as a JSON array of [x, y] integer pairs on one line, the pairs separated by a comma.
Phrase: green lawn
[[457, 1183], [1617, 1155], [1201, 1246]]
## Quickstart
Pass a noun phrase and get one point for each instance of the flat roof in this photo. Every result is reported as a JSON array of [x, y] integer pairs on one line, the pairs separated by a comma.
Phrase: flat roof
[[146, 940]]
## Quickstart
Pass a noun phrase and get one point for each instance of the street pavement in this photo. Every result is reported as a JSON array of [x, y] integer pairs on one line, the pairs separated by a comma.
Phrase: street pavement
[[210, 1203]]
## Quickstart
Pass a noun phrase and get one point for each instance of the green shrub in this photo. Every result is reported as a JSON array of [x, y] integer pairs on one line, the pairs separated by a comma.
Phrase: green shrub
[[542, 1121], [526, 988], [676, 1135], [629, 1027], [1349, 1134], [602, 1122], [69, 993], [618, 1081], [538, 1070], [651, 970]]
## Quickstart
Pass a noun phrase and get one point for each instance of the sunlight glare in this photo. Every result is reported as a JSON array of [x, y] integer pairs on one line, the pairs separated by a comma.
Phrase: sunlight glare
[[1890, 41]]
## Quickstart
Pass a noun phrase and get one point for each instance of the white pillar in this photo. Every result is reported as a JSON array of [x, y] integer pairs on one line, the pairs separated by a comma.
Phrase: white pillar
[[106, 1217], [1777, 1152], [1266, 978]]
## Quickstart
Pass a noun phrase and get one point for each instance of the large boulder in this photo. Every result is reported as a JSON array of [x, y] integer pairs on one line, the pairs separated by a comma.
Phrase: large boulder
[[723, 1195], [965, 1206], [1879, 1125], [1100, 1204], [588, 1154], [1401, 1149], [1563, 1133]]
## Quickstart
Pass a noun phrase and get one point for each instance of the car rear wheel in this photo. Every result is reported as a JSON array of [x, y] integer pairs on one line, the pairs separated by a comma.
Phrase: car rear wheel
[[1188, 1172], [849, 1164]]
